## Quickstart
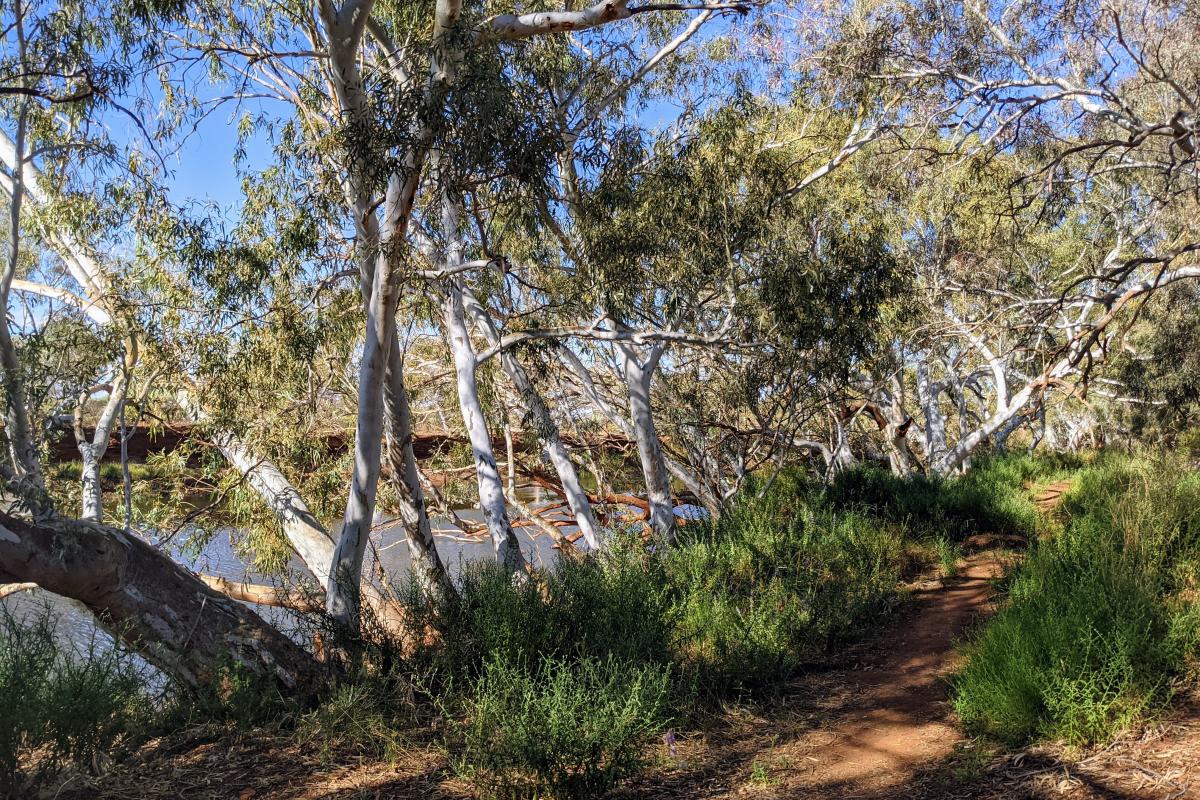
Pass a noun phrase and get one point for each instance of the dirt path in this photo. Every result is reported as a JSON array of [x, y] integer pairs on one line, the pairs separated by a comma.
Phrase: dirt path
[[859, 731], [1048, 499], [898, 718]]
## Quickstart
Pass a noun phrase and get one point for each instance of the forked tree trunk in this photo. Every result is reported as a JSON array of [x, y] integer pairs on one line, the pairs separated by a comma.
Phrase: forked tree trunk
[[538, 415], [428, 569], [91, 453], [638, 377], [929, 395], [647, 440], [841, 458], [167, 614]]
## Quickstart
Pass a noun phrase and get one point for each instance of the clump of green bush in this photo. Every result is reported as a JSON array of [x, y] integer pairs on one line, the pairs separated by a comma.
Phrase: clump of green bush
[[60, 708], [565, 728], [774, 583], [1099, 617], [539, 669], [615, 604]]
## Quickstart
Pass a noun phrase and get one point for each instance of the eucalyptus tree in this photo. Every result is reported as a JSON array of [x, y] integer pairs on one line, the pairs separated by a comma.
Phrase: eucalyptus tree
[[1156, 374], [380, 91], [585, 85], [627, 267], [73, 65], [192, 632], [1099, 98]]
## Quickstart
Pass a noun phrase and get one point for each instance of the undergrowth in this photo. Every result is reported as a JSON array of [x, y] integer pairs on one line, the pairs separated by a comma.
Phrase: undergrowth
[[794, 569], [566, 728], [1100, 616], [553, 686], [61, 708]]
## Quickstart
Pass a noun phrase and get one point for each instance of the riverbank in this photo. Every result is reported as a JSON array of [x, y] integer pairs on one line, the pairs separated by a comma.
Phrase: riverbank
[[806, 643]]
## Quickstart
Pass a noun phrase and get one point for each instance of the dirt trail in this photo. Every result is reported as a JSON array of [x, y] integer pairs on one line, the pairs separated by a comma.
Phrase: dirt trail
[[875, 730], [860, 731], [1049, 498], [897, 717]]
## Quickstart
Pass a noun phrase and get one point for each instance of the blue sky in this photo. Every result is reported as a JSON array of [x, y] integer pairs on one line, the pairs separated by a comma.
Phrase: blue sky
[[203, 170]]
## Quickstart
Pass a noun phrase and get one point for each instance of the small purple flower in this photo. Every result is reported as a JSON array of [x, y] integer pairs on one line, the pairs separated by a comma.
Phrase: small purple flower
[[669, 741]]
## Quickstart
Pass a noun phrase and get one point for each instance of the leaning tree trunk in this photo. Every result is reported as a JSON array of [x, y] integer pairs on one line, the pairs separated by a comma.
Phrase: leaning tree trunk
[[427, 565], [491, 489], [193, 633], [547, 430]]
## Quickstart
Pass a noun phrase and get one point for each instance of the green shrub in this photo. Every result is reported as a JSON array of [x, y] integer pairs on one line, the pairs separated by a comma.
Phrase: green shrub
[[235, 696], [737, 604], [774, 583], [1099, 618], [59, 707], [563, 729], [614, 604]]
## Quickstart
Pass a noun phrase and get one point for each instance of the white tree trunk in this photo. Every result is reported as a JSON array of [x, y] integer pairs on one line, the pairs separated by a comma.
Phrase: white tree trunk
[[89, 483], [487, 474], [896, 425], [304, 532], [961, 452], [91, 453], [1039, 431], [341, 592], [928, 395], [510, 456], [427, 565], [585, 383], [300, 526], [544, 426], [638, 377], [841, 458], [344, 30]]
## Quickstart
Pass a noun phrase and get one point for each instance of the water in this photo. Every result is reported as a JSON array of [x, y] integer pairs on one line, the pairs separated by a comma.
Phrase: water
[[218, 557]]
